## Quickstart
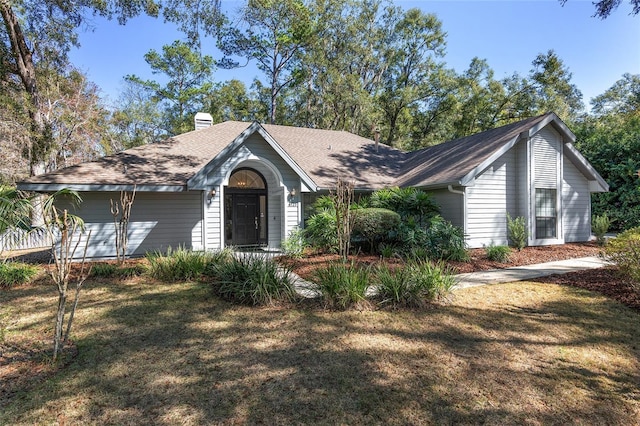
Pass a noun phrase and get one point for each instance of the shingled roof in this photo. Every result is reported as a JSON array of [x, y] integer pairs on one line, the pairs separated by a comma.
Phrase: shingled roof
[[451, 162], [323, 154], [319, 155]]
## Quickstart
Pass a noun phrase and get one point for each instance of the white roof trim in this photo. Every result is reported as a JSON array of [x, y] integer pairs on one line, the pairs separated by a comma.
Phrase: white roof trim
[[553, 119], [198, 180], [468, 179], [586, 168]]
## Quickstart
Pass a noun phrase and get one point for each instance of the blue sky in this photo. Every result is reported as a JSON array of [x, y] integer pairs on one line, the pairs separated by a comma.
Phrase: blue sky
[[509, 34]]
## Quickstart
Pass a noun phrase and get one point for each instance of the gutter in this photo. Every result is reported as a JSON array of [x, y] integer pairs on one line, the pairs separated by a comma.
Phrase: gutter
[[464, 207], [455, 191]]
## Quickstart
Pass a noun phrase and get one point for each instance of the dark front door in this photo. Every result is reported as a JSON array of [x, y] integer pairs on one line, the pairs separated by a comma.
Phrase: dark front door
[[246, 219]]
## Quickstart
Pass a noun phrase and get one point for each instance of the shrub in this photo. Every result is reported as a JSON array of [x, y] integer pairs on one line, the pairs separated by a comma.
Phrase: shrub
[[386, 250], [414, 284], [375, 224], [321, 231], [624, 251], [517, 232], [444, 241], [435, 279], [104, 270], [497, 253], [410, 202], [131, 271], [294, 245], [342, 285], [599, 227], [111, 270], [182, 264], [15, 273], [418, 253], [253, 279]]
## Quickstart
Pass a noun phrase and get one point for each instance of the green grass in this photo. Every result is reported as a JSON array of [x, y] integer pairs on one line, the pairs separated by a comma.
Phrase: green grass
[[155, 353]]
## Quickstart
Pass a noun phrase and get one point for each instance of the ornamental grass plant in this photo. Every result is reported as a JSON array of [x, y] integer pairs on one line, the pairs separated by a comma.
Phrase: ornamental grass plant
[[252, 279], [342, 285]]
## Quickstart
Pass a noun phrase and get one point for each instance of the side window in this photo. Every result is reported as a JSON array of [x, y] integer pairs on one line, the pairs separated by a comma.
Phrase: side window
[[546, 213]]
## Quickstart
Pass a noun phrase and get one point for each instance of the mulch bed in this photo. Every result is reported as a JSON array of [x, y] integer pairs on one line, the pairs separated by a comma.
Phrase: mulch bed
[[606, 281], [478, 260]]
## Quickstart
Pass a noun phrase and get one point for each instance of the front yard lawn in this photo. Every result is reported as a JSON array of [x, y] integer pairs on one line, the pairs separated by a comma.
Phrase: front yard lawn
[[153, 353]]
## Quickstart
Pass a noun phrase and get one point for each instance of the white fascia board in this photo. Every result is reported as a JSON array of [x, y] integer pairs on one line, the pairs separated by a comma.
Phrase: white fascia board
[[199, 180], [554, 120], [439, 185], [52, 187], [470, 177], [596, 182]]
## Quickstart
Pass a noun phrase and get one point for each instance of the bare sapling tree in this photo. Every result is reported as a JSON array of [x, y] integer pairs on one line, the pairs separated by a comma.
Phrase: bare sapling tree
[[67, 231], [121, 212], [342, 199]]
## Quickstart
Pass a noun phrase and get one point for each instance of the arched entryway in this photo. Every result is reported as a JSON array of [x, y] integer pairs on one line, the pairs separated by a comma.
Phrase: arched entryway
[[245, 206]]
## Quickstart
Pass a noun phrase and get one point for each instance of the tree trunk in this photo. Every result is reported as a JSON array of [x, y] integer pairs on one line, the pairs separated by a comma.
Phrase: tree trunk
[[57, 338], [26, 70]]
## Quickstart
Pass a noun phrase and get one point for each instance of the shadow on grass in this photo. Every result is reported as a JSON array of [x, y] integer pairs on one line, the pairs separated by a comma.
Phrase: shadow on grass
[[166, 354]]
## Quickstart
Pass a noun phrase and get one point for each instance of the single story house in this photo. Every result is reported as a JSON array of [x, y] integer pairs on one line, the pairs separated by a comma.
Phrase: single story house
[[238, 184]]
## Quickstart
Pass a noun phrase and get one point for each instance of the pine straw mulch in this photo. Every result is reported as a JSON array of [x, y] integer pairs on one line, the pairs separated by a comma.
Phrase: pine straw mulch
[[606, 281]]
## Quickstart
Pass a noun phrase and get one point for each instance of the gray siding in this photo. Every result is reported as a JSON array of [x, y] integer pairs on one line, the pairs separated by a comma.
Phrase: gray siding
[[213, 220], [522, 181], [577, 204], [546, 155], [158, 220], [451, 206], [488, 199], [547, 168]]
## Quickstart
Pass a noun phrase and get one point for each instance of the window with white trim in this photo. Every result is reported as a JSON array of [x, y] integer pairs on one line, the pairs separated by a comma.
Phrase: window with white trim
[[546, 213]]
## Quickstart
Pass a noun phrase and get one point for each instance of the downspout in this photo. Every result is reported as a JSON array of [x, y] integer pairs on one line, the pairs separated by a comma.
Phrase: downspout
[[464, 206]]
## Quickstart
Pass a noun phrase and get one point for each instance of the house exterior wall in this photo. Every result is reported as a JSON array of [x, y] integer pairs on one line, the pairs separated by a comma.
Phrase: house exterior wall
[[451, 205], [522, 179], [577, 204], [159, 220], [509, 185], [546, 167], [492, 194], [284, 212]]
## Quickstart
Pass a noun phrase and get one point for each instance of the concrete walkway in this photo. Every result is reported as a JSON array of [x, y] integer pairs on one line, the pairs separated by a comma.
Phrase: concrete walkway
[[522, 273]]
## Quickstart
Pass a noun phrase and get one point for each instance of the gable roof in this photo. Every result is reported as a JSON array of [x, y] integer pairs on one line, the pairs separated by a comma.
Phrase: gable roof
[[456, 162], [460, 161], [318, 157]]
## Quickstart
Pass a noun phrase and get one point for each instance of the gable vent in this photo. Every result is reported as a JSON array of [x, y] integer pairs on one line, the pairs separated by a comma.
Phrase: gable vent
[[203, 120]]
